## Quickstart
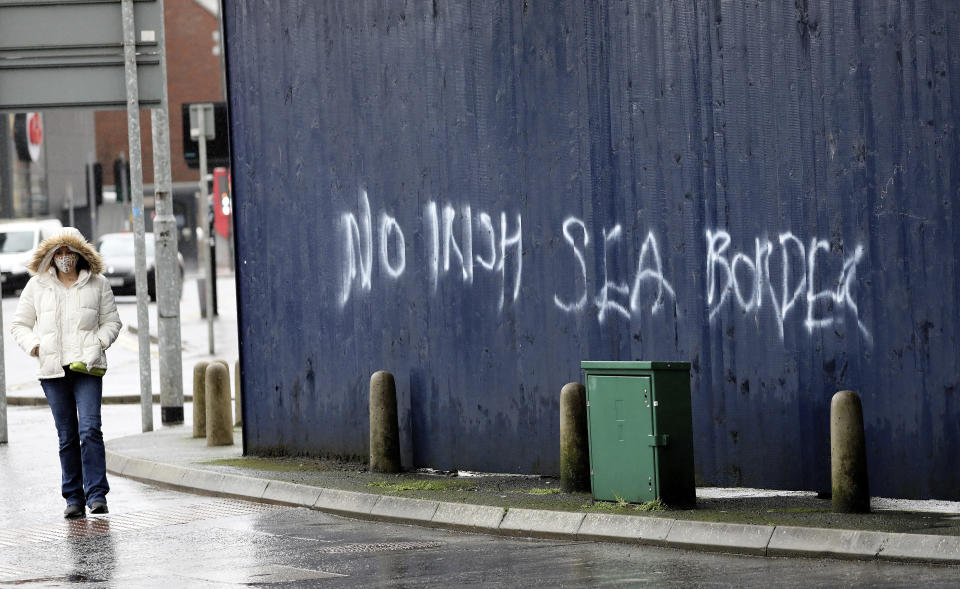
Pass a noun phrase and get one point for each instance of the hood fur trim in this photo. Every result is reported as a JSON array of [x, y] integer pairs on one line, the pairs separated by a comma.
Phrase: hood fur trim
[[73, 239]]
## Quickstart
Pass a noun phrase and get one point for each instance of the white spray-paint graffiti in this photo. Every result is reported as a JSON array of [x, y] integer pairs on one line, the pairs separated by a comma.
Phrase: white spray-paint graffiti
[[442, 245], [649, 268], [725, 270], [733, 278]]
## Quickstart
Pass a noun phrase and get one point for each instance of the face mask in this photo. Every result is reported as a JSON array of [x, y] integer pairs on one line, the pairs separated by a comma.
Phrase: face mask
[[66, 262]]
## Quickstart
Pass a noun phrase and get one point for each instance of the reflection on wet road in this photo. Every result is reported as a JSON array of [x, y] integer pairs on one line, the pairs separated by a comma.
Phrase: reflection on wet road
[[209, 542], [160, 538]]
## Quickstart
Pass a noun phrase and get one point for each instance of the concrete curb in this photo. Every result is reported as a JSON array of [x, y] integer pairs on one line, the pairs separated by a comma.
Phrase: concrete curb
[[606, 527], [403, 510], [757, 540], [790, 541], [541, 524], [720, 537], [469, 518], [345, 503]]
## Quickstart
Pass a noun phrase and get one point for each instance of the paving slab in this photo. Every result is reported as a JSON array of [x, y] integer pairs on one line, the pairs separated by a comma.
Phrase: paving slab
[[402, 509], [606, 527], [541, 523], [819, 542], [720, 537], [464, 516]]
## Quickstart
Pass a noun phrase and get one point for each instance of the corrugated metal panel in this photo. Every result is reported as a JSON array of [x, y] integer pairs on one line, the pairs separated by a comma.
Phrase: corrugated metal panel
[[477, 196]]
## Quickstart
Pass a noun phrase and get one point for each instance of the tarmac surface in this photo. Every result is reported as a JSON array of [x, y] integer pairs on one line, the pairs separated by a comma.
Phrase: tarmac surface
[[742, 521], [159, 537]]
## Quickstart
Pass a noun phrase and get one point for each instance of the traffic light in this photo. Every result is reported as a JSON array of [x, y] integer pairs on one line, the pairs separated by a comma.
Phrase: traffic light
[[121, 179], [97, 183]]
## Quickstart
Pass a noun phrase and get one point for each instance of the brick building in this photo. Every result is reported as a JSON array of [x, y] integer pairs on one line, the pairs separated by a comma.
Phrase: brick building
[[193, 75]]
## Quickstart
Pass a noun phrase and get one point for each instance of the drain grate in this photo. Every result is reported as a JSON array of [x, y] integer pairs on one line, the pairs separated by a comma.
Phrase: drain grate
[[129, 522], [379, 547]]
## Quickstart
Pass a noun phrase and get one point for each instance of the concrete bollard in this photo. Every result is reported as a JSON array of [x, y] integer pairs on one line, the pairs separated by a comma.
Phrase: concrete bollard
[[199, 400], [384, 428], [237, 399], [219, 410], [574, 443], [225, 365], [848, 455]]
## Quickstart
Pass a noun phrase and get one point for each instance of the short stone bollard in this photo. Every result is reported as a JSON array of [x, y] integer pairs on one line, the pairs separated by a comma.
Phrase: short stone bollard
[[225, 365], [219, 410], [574, 443], [384, 428], [848, 455], [237, 399], [199, 400]]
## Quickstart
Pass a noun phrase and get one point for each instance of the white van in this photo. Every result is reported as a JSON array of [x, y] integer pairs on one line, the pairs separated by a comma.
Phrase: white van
[[18, 239]]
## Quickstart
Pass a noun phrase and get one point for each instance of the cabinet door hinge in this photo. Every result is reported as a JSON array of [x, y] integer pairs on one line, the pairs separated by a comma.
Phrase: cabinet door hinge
[[659, 441]]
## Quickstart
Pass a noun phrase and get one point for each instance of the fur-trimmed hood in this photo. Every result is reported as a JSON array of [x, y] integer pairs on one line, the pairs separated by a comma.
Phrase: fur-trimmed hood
[[73, 239]]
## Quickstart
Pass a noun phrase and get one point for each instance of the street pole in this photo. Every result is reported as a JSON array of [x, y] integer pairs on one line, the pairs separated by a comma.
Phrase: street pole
[[136, 184], [92, 191], [6, 210], [6, 169], [122, 184], [168, 281], [3, 388], [203, 212], [70, 219]]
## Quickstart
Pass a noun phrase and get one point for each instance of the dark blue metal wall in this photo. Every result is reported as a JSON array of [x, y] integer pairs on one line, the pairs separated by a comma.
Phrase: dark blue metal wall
[[478, 195]]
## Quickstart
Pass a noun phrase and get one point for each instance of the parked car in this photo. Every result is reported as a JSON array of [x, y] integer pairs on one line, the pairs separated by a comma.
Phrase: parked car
[[18, 239], [117, 252]]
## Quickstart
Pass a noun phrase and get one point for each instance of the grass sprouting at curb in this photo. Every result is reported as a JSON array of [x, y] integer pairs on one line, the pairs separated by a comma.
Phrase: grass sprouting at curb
[[418, 486], [623, 506], [542, 491]]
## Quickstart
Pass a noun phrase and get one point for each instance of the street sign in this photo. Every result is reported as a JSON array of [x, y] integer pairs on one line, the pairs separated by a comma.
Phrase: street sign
[[209, 131], [69, 54], [218, 145]]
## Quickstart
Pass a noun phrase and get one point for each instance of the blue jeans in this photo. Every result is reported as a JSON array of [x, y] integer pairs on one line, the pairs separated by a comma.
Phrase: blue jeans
[[75, 402]]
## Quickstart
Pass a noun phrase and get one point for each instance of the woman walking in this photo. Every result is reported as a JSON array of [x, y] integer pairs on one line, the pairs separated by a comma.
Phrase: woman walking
[[67, 318]]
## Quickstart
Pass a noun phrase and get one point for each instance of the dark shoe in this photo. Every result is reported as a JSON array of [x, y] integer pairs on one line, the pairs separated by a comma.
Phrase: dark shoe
[[74, 511], [99, 507]]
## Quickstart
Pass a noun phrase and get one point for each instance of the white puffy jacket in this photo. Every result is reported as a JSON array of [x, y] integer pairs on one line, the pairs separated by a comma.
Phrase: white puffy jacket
[[92, 321]]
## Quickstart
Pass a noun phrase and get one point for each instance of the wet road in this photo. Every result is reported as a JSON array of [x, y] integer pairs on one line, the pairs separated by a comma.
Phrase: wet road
[[160, 538], [301, 548]]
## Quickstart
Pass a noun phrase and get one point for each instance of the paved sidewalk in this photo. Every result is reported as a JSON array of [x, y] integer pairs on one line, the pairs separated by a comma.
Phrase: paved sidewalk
[[745, 521]]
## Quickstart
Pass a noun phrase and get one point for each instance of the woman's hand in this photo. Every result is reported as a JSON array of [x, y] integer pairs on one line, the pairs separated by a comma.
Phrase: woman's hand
[[35, 351]]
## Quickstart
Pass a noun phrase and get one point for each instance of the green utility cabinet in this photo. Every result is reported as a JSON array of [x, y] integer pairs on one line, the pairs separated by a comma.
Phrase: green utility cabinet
[[640, 431]]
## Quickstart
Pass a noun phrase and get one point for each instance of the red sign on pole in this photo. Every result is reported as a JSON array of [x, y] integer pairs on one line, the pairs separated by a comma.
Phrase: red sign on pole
[[222, 201], [28, 135]]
